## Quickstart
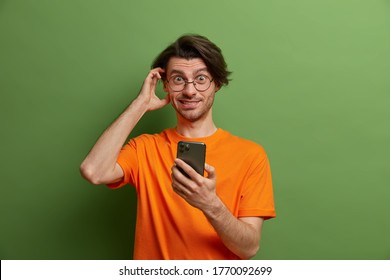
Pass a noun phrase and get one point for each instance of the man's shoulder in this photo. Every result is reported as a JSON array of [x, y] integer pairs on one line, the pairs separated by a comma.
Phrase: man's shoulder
[[157, 137], [242, 141]]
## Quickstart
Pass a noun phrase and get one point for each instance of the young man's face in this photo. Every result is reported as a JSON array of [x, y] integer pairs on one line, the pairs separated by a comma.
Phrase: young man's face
[[192, 102]]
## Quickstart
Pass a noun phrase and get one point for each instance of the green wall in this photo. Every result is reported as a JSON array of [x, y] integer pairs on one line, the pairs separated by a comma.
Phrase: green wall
[[310, 83]]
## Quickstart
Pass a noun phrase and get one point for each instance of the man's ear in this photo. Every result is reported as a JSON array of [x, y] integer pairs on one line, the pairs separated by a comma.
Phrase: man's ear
[[165, 83]]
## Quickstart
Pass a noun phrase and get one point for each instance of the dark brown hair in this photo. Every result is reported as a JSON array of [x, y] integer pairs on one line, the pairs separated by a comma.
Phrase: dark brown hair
[[195, 46]]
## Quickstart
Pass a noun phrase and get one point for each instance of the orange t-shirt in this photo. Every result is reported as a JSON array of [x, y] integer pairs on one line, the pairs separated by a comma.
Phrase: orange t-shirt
[[167, 226]]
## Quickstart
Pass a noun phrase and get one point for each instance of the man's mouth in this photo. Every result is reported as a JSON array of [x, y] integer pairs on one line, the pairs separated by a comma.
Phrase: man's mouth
[[189, 104]]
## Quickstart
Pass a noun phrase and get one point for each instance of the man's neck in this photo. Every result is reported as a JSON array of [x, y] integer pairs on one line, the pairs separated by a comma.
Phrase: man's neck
[[197, 129]]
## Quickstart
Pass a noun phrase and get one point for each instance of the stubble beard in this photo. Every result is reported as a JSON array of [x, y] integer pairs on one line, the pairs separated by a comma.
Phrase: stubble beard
[[197, 114]]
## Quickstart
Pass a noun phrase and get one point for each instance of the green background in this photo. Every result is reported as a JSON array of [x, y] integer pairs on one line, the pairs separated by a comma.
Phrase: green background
[[310, 83]]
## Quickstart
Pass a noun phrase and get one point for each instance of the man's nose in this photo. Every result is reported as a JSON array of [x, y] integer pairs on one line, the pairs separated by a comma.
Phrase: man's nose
[[189, 89]]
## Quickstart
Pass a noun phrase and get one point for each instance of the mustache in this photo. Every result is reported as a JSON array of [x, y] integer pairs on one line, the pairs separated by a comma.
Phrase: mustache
[[187, 98]]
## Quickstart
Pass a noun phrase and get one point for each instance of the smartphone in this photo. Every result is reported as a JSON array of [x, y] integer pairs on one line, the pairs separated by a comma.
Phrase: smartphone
[[192, 153]]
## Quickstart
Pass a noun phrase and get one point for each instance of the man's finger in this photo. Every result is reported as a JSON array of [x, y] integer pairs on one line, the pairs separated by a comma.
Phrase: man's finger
[[210, 171], [186, 168]]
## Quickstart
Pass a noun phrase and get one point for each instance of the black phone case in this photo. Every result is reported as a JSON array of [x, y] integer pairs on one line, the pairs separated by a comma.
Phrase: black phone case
[[194, 154]]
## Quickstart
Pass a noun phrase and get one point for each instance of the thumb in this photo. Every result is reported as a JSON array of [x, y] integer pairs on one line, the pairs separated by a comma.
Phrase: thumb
[[164, 101], [167, 99], [210, 171]]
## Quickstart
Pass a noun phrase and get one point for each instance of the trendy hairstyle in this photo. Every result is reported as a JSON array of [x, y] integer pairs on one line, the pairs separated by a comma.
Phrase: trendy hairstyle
[[195, 46]]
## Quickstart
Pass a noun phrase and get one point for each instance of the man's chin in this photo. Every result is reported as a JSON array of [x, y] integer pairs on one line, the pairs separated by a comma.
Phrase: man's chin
[[190, 116]]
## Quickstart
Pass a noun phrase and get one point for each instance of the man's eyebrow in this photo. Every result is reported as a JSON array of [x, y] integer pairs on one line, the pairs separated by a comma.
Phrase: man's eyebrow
[[201, 69], [175, 71]]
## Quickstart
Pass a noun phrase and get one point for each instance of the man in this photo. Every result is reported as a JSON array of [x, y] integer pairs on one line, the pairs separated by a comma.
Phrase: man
[[216, 216]]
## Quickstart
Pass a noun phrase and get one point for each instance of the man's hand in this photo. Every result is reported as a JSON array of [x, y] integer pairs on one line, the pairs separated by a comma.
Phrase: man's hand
[[148, 91], [197, 190], [240, 235]]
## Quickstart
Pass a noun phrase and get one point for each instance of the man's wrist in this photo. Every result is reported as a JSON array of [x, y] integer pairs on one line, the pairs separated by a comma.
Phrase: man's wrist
[[215, 210], [140, 104]]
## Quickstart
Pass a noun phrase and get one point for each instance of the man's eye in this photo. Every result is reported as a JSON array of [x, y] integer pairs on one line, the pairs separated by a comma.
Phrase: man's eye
[[178, 79], [201, 78]]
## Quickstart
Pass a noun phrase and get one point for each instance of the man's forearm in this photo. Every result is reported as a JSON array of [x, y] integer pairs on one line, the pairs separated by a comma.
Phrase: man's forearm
[[239, 237], [101, 160]]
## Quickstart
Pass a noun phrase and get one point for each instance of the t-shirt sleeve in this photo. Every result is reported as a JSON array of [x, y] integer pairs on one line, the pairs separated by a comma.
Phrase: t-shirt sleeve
[[128, 161], [257, 198]]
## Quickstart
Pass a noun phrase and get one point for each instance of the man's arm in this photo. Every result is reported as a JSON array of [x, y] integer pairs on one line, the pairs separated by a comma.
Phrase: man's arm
[[100, 166], [242, 235]]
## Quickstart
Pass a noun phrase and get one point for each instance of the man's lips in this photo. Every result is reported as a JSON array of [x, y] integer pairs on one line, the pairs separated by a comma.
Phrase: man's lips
[[189, 104]]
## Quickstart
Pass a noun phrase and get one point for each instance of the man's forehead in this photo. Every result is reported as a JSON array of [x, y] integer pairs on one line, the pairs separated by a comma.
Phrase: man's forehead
[[177, 64]]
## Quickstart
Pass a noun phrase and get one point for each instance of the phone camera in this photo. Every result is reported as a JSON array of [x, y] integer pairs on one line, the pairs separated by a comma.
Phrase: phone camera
[[184, 147], [181, 147]]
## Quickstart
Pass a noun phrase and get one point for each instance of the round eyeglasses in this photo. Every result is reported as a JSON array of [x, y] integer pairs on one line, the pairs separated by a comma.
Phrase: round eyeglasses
[[178, 83]]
